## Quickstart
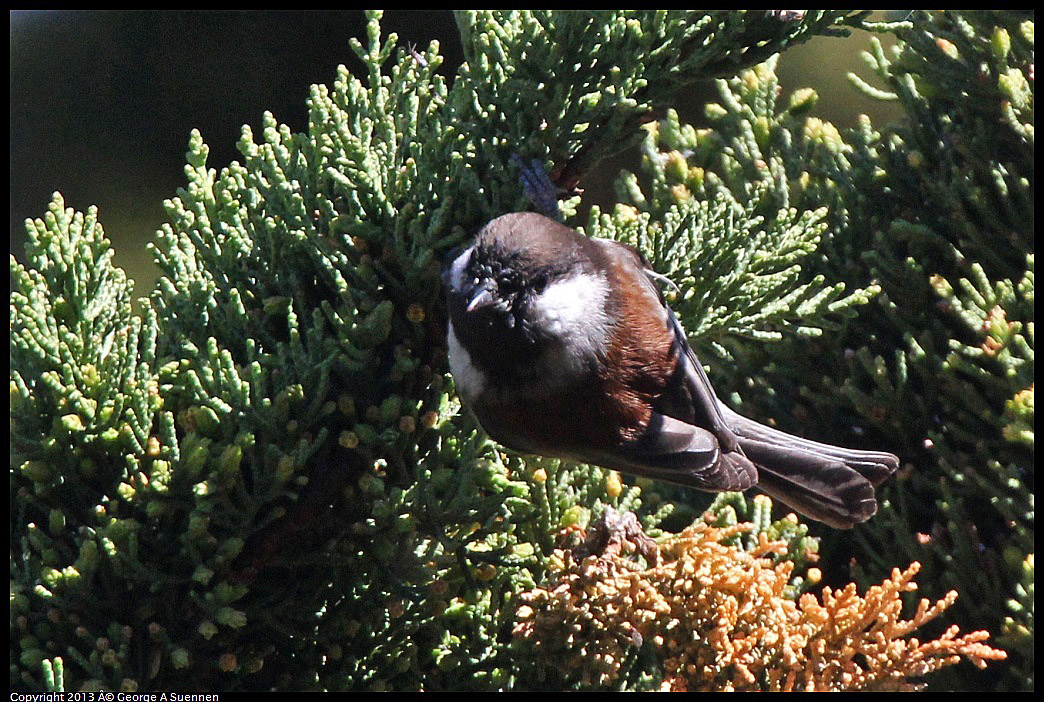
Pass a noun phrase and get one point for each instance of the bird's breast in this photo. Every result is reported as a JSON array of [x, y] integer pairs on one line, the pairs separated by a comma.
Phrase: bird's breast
[[606, 407]]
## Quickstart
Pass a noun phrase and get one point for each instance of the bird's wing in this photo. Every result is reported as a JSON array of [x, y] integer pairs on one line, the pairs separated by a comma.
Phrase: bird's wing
[[688, 441], [682, 453], [701, 406]]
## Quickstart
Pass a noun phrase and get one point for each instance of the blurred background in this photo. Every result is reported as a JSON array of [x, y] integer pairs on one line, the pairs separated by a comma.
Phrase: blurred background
[[102, 102]]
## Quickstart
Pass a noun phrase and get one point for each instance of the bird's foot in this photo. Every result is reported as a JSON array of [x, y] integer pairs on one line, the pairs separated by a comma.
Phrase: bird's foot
[[541, 191]]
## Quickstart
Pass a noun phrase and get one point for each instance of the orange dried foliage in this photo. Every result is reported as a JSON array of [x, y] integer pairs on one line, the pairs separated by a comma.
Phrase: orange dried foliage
[[718, 618]]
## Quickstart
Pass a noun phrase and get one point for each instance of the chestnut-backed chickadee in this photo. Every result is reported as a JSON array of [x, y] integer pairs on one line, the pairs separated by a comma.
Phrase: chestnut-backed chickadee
[[563, 346]]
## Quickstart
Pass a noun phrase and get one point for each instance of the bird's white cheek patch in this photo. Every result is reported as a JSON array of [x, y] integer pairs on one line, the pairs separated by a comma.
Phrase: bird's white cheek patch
[[470, 380], [460, 263], [573, 310]]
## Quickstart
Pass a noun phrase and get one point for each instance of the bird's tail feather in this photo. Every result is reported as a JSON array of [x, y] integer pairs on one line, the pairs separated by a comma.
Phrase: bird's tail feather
[[827, 483], [819, 487], [875, 466]]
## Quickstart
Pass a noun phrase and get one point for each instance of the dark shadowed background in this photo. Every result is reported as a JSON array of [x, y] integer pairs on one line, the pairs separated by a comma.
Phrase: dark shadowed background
[[102, 102]]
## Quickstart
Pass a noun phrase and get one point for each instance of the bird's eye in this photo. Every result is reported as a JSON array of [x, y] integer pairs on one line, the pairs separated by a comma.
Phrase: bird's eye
[[540, 283]]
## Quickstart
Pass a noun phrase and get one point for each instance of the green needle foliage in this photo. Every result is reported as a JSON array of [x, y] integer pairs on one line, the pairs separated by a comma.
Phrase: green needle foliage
[[265, 480]]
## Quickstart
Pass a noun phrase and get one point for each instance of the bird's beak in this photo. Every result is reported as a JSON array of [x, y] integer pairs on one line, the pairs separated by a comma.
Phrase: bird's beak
[[480, 297]]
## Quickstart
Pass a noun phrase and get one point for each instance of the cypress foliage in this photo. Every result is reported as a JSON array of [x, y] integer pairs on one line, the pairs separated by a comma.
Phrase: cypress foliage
[[264, 480]]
